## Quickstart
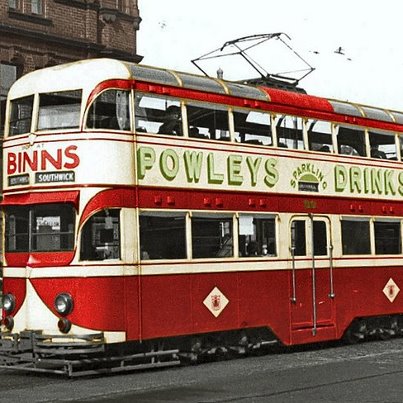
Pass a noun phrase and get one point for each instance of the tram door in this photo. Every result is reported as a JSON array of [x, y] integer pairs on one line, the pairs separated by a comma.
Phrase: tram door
[[312, 292]]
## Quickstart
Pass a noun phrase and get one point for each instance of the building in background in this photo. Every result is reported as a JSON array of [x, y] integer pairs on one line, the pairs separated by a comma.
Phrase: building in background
[[40, 33]]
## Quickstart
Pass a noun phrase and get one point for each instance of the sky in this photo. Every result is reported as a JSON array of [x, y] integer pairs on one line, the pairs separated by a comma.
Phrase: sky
[[369, 69]]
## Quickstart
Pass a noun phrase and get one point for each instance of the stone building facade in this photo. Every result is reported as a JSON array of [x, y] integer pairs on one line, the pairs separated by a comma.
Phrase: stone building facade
[[41, 33]]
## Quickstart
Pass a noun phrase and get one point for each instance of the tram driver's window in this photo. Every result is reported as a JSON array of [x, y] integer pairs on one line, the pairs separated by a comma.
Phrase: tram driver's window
[[252, 127], [21, 115], [290, 132], [355, 236], [208, 121], [110, 110], [212, 236], [100, 238], [257, 235], [158, 115], [59, 110], [351, 141], [382, 145], [162, 235], [387, 237], [320, 136]]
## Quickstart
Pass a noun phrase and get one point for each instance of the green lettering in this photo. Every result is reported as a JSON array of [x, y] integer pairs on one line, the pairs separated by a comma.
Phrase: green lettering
[[193, 165], [272, 174], [376, 181], [169, 164], [340, 178], [253, 165], [355, 179], [213, 177], [145, 161], [389, 182], [234, 169]]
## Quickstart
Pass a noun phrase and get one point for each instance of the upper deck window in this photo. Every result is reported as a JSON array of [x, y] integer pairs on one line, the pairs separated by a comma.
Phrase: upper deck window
[[59, 110], [110, 110], [253, 127], [21, 115], [156, 114], [41, 228], [382, 145], [351, 141], [320, 136], [290, 133], [208, 121]]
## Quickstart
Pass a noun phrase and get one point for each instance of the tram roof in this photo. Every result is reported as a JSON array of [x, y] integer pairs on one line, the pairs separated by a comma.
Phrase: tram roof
[[86, 74]]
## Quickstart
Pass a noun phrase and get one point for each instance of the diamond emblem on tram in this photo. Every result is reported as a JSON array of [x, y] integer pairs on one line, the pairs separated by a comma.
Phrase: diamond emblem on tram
[[216, 302], [391, 290]]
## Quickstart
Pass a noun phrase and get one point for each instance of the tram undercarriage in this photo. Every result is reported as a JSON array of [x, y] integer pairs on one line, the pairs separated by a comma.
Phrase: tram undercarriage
[[75, 356]]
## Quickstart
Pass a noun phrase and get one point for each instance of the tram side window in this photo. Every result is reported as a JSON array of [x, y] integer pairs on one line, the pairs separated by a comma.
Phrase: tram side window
[[252, 127], [40, 228], [21, 115], [355, 237], [59, 110], [298, 237], [387, 237], [289, 132], [110, 110], [100, 237], [351, 141], [320, 136], [208, 121], [212, 237], [382, 145], [163, 235], [158, 114], [257, 236]]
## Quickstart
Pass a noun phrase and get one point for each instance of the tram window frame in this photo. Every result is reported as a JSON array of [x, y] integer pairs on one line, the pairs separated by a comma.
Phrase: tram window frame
[[208, 121], [382, 144], [57, 110], [212, 236], [162, 235], [21, 114], [158, 115], [257, 235], [298, 242], [113, 115], [356, 241], [44, 228], [351, 140], [290, 132], [101, 236], [251, 129], [385, 244], [319, 140]]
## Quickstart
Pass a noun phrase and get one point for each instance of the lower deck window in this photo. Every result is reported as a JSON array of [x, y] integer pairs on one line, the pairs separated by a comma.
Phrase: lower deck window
[[355, 236], [100, 238], [387, 237], [212, 237], [257, 236], [162, 236]]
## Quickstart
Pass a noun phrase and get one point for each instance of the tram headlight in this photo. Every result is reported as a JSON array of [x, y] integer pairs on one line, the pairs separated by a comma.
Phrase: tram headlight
[[64, 304], [8, 303]]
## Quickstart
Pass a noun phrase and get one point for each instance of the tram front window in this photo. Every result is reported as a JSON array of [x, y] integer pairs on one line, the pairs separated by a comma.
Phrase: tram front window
[[39, 228]]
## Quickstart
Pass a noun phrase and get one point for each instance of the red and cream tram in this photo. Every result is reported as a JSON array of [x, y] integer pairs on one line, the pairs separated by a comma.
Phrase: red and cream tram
[[153, 216]]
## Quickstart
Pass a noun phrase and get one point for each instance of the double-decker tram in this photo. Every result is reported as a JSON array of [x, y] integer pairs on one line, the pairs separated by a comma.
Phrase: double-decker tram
[[153, 217]]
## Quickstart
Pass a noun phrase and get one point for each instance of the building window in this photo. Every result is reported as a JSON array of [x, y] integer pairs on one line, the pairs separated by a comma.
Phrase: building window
[[8, 74], [37, 6], [13, 4]]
